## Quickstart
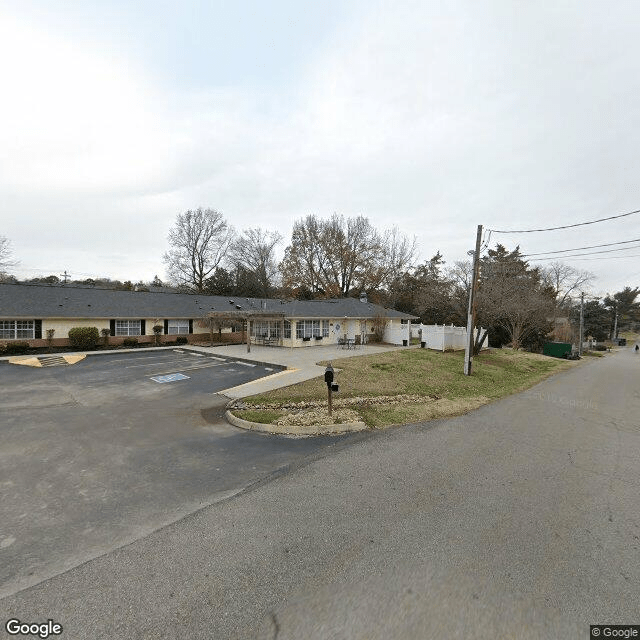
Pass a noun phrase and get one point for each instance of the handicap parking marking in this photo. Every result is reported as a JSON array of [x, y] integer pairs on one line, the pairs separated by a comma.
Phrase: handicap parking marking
[[172, 377]]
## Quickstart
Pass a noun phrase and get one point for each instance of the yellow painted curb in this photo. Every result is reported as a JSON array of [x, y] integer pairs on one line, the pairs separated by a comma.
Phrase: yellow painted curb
[[308, 430], [33, 361], [29, 362]]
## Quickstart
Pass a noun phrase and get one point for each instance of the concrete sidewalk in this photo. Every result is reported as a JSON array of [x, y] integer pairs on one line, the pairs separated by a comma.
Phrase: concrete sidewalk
[[301, 363]]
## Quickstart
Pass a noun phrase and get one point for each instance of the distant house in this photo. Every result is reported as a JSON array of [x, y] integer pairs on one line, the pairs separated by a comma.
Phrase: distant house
[[28, 311]]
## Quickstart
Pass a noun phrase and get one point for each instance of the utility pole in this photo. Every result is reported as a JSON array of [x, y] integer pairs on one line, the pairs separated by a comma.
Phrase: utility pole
[[471, 312], [615, 327], [65, 275], [581, 324]]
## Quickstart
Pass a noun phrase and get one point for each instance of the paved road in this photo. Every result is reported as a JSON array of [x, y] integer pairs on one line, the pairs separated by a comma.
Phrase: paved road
[[519, 520], [99, 454]]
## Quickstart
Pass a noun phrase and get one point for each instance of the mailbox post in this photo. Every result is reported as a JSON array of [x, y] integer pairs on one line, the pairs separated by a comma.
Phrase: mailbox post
[[328, 378]]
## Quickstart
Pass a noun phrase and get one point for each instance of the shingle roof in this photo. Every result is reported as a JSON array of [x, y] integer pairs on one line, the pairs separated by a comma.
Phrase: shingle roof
[[37, 301]]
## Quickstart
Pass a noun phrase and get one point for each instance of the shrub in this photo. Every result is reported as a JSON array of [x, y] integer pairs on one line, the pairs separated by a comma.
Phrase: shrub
[[105, 333], [130, 342], [157, 333], [84, 337], [181, 340], [16, 348]]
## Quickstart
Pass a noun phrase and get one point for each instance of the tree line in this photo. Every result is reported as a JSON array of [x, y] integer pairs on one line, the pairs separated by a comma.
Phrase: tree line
[[339, 256], [518, 303]]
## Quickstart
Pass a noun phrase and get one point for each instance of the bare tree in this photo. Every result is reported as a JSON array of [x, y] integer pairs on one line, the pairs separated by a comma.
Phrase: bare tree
[[353, 255], [335, 256], [254, 250], [199, 240], [564, 280], [519, 306], [512, 297], [399, 253], [6, 254], [299, 266]]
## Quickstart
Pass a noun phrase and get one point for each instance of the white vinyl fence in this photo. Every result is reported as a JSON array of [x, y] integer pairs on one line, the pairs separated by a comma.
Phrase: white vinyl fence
[[443, 337], [396, 333]]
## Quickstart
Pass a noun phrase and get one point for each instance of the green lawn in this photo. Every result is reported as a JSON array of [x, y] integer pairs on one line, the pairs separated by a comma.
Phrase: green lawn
[[434, 383]]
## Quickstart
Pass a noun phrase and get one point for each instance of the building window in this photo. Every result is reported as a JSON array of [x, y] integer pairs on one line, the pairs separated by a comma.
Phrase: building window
[[17, 329], [176, 327], [265, 329], [128, 328], [287, 328], [312, 328]]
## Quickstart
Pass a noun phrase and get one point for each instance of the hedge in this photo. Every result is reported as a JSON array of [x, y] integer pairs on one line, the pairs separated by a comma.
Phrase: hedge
[[84, 337]]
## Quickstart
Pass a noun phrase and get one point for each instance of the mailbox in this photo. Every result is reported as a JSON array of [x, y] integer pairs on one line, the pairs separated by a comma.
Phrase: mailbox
[[334, 387], [328, 375]]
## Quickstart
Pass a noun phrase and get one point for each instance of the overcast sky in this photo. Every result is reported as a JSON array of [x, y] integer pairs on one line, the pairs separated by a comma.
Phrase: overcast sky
[[119, 114]]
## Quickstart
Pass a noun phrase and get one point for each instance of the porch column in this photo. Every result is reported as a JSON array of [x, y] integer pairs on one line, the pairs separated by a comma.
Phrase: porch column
[[248, 335]]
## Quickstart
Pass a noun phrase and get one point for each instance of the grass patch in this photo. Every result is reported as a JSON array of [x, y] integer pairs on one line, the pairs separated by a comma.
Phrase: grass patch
[[436, 377]]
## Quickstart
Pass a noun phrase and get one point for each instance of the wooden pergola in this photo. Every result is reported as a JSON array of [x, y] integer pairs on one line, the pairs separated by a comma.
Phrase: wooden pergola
[[247, 315]]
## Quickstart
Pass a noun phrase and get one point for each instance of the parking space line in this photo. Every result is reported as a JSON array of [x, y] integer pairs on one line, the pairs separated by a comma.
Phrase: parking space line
[[137, 358], [148, 364], [195, 366]]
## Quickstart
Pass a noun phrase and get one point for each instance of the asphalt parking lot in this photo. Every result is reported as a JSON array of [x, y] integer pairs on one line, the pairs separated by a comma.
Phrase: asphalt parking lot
[[103, 452]]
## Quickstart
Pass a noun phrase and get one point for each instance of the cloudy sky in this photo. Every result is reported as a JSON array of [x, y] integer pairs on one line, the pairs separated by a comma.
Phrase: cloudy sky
[[116, 115]]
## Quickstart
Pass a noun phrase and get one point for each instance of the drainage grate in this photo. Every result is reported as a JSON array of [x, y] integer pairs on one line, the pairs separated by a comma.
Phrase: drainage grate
[[52, 361]]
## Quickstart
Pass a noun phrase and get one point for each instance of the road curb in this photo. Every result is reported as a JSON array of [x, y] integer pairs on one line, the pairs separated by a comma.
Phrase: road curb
[[302, 431]]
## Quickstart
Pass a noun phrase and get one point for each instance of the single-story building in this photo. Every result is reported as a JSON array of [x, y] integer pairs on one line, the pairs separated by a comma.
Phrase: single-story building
[[38, 314]]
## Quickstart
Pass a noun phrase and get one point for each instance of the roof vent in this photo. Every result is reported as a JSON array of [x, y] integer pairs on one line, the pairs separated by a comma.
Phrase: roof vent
[[231, 302], [238, 306], [363, 296]]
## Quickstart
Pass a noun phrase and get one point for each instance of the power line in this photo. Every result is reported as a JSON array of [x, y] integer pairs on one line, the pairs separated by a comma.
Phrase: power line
[[566, 226], [594, 246], [590, 253], [635, 255], [486, 241]]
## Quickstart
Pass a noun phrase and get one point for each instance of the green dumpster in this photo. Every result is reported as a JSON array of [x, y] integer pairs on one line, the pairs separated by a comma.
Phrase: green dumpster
[[556, 349]]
